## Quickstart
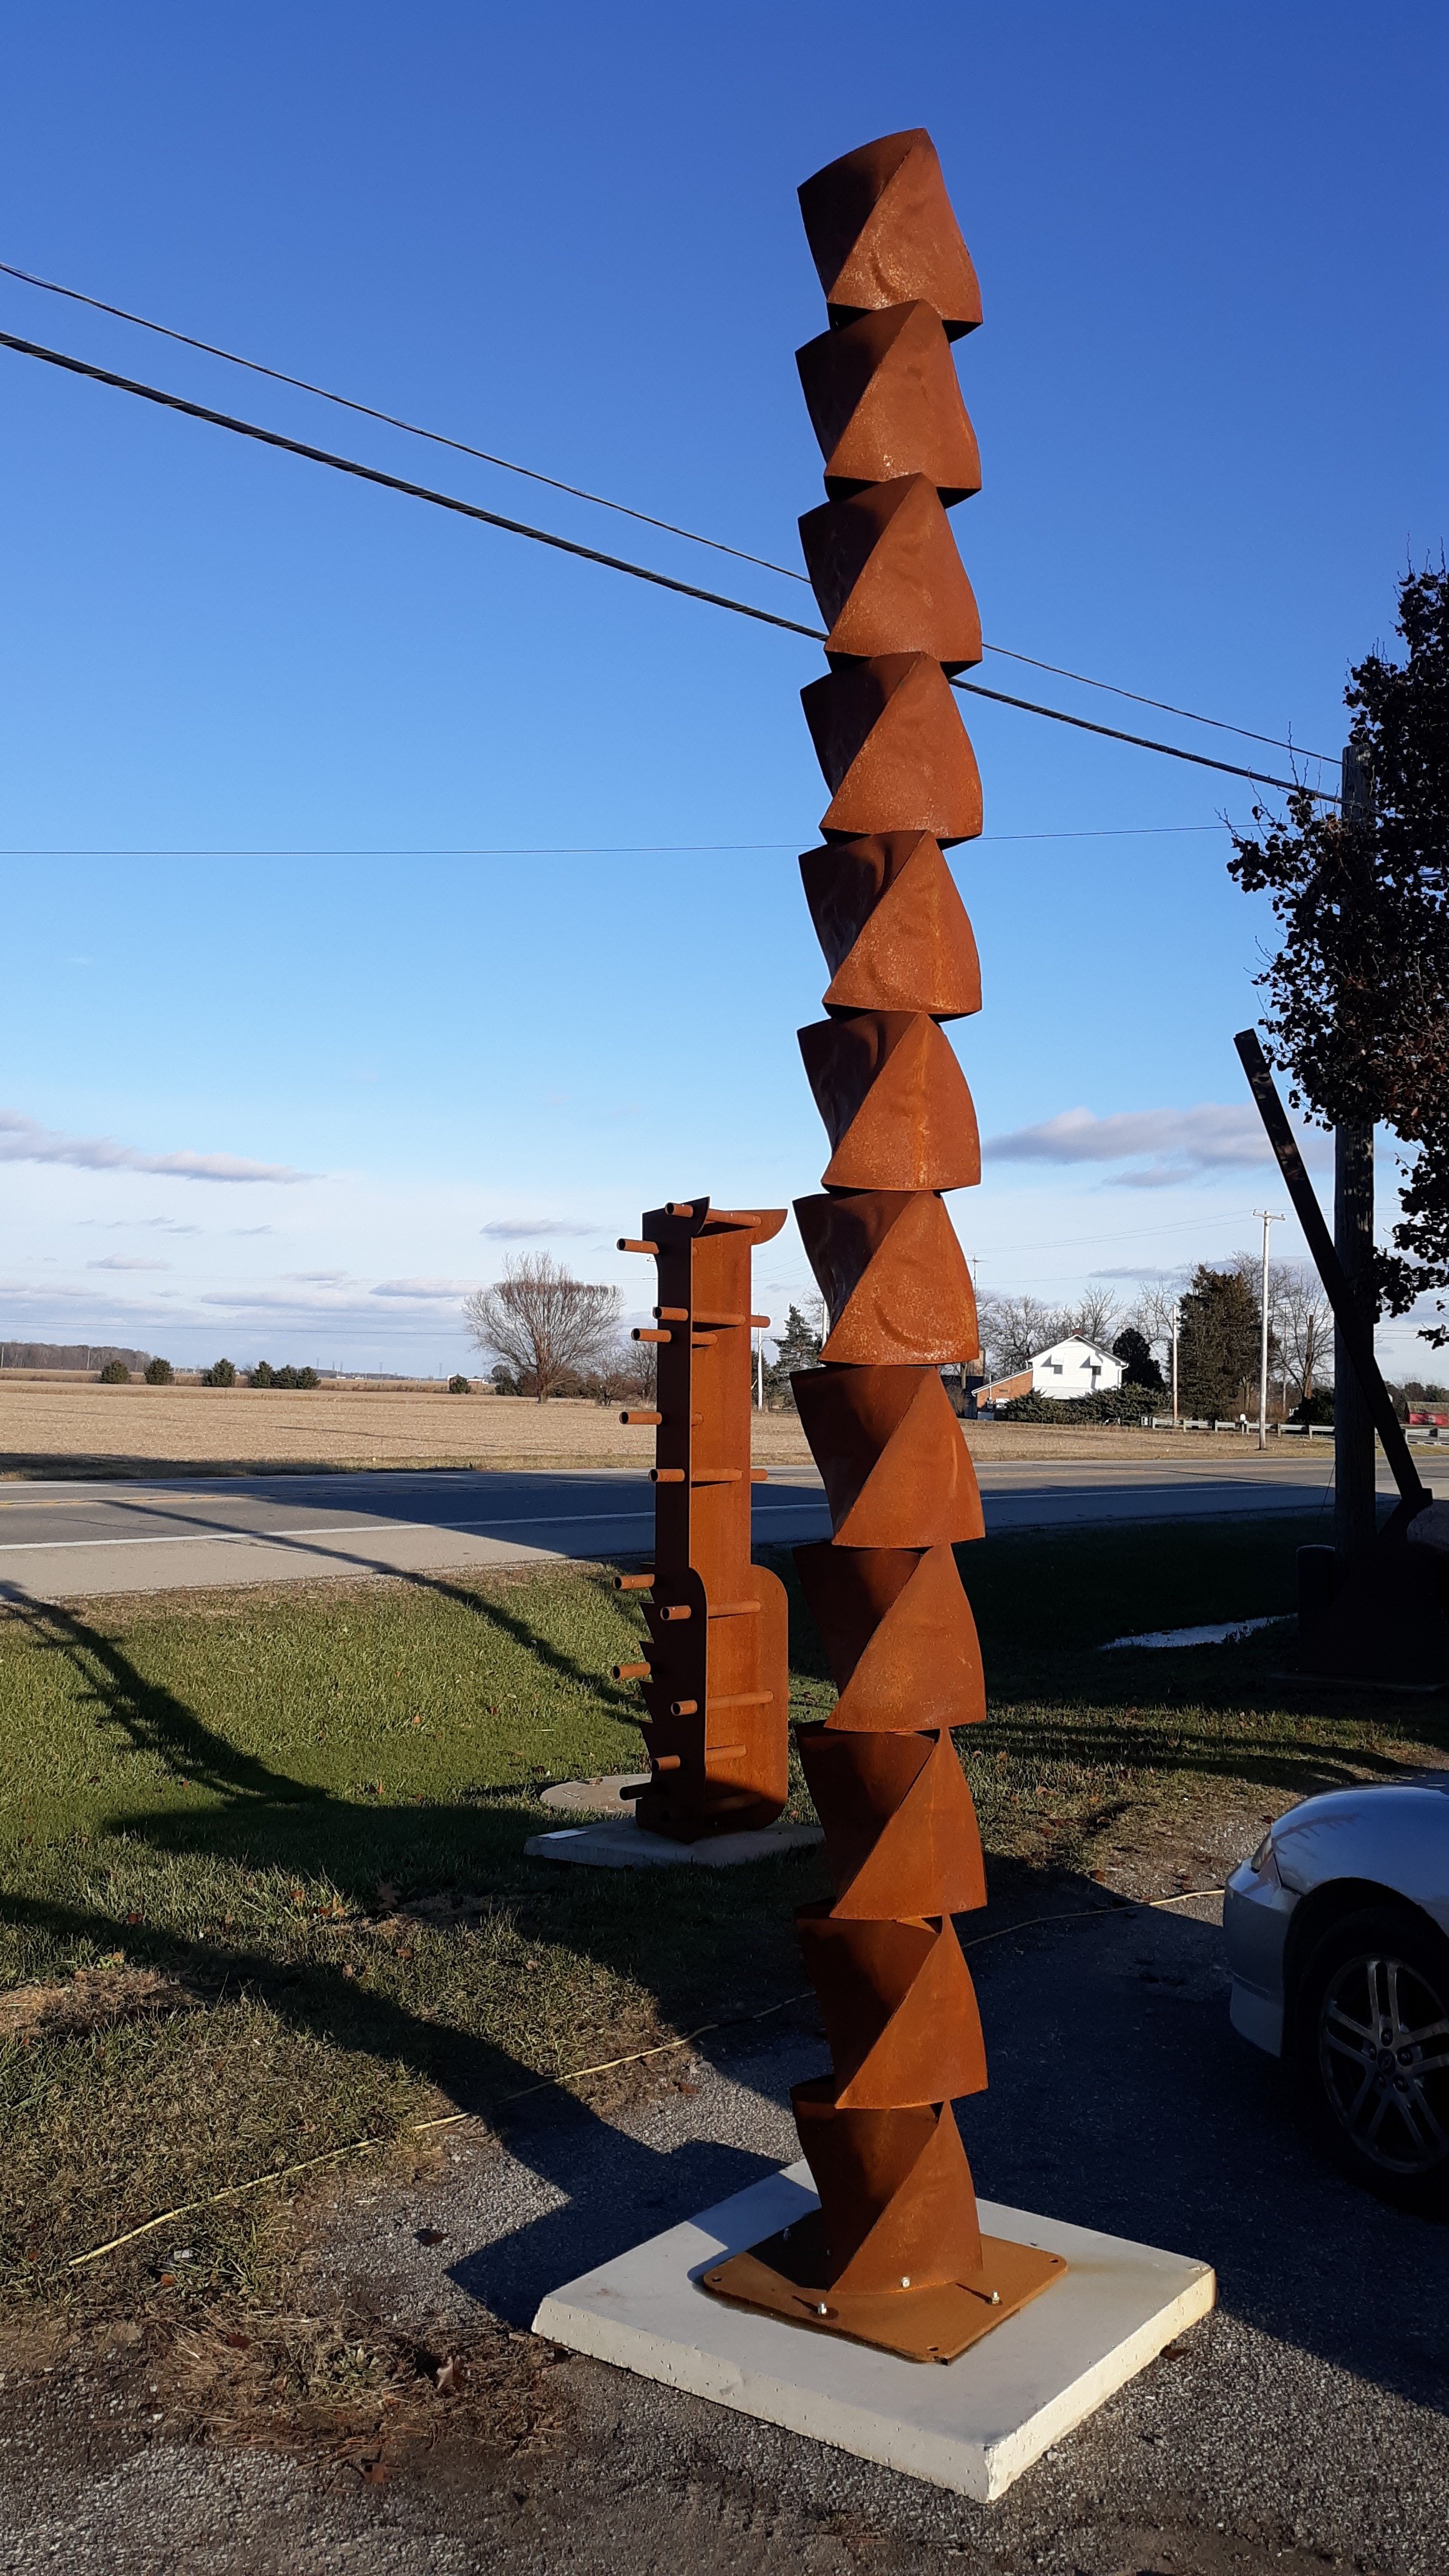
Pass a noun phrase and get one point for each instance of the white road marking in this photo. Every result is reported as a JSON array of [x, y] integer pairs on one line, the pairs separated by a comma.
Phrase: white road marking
[[376, 1529]]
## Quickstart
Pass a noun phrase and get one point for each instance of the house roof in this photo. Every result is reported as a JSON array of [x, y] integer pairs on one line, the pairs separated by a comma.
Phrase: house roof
[[1075, 1341]]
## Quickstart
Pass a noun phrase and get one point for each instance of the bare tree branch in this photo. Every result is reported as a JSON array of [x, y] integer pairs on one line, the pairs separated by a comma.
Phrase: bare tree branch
[[543, 1322]]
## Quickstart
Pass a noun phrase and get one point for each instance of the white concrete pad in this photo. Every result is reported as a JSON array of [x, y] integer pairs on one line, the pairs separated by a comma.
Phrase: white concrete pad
[[972, 2425], [602, 1796], [607, 1845]]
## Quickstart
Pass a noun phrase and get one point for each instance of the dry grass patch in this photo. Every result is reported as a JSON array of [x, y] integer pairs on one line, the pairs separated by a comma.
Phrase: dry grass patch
[[93, 1999], [47, 1429]]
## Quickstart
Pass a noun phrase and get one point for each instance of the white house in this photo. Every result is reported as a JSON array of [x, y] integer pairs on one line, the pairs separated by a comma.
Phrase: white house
[[1072, 1367]]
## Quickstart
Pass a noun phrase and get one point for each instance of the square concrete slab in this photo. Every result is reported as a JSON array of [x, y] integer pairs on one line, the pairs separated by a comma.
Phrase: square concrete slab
[[625, 1845], [972, 2426]]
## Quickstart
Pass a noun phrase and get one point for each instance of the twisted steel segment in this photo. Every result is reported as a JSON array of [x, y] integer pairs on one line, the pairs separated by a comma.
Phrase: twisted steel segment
[[895, 2255]]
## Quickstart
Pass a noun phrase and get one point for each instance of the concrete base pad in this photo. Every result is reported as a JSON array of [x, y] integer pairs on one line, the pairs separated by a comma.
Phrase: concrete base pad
[[626, 1845], [972, 2426], [601, 1796]]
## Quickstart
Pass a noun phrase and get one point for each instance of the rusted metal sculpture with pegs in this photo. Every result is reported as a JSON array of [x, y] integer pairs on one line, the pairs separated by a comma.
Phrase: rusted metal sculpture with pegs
[[716, 1681], [894, 2257]]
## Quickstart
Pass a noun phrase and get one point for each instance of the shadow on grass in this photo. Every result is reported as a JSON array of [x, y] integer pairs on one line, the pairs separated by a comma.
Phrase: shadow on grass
[[549, 2131], [151, 1718], [1148, 2150]]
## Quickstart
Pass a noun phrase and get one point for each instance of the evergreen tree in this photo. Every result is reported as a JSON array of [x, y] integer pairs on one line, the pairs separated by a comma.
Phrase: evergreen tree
[[1134, 1352], [1217, 1347], [798, 1347]]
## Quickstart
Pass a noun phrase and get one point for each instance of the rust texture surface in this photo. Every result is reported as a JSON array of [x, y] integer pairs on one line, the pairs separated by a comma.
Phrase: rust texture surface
[[716, 1680], [895, 2256]]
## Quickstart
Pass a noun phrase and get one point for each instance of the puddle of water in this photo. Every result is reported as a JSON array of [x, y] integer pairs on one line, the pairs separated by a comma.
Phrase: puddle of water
[[1223, 1634]]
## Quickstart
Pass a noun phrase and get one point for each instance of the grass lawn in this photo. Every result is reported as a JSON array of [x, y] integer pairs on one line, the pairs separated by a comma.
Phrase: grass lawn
[[262, 1884]]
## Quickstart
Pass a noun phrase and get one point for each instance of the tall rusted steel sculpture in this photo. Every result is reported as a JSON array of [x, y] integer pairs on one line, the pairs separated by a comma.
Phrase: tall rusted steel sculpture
[[895, 2255], [716, 1682]]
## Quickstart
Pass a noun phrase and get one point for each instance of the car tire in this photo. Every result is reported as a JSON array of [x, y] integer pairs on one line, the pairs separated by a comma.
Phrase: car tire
[[1372, 2049]]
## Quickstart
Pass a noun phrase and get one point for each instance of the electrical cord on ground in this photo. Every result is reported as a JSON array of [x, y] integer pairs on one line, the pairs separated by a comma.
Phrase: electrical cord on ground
[[599, 500], [591, 554], [1112, 1904]]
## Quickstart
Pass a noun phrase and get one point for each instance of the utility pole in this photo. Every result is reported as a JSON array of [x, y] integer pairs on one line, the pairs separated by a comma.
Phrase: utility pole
[[1176, 1311], [1355, 1516], [1263, 1336]]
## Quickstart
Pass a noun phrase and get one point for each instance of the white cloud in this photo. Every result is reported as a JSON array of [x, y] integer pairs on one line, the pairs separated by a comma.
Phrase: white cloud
[[286, 1301], [435, 1289], [324, 1293], [118, 1261], [1169, 1145], [24, 1140], [532, 1229]]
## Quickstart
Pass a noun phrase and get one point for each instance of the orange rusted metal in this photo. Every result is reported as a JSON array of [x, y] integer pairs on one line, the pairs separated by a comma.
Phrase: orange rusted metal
[[716, 1683], [892, 925], [884, 401], [895, 2256], [888, 735], [883, 566]]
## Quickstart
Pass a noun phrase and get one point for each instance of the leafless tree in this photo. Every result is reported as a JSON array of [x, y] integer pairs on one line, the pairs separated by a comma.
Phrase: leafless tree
[[1096, 1317], [634, 1369], [543, 1322], [1303, 1322], [1013, 1329], [1152, 1312]]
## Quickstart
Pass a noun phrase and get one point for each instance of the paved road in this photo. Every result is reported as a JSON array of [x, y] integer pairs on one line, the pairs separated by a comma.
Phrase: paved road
[[79, 1539], [62, 1540]]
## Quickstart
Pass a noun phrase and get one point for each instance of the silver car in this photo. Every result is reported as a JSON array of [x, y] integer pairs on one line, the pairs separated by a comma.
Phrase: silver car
[[1337, 1936]]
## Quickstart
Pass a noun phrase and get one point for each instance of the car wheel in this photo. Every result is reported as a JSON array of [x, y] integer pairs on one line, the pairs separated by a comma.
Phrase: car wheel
[[1373, 2053]]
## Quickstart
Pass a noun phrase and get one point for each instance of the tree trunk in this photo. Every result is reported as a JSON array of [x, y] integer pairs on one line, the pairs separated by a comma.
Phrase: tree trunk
[[1355, 1516]]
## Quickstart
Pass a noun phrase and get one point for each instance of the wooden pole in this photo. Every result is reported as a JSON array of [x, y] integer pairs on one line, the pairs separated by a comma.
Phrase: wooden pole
[[1355, 1517]]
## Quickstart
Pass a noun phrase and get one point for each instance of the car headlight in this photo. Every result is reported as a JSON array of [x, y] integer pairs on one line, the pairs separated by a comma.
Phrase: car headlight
[[1263, 1863]]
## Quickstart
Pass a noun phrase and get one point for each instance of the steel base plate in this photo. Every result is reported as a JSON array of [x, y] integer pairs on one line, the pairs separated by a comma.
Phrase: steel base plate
[[782, 2277]]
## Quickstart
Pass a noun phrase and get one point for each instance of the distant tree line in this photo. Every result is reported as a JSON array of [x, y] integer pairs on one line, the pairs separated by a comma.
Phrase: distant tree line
[[1219, 1332], [69, 1355]]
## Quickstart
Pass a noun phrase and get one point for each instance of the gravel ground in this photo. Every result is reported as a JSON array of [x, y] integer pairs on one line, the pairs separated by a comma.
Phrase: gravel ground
[[1301, 2427]]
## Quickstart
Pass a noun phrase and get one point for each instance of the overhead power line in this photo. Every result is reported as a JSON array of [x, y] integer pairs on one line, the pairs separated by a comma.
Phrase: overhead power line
[[1164, 706], [397, 483], [1142, 741], [370, 411], [599, 500], [591, 554]]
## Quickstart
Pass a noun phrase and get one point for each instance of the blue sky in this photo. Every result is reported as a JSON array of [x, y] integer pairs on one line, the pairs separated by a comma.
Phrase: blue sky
[[1210, 397]]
